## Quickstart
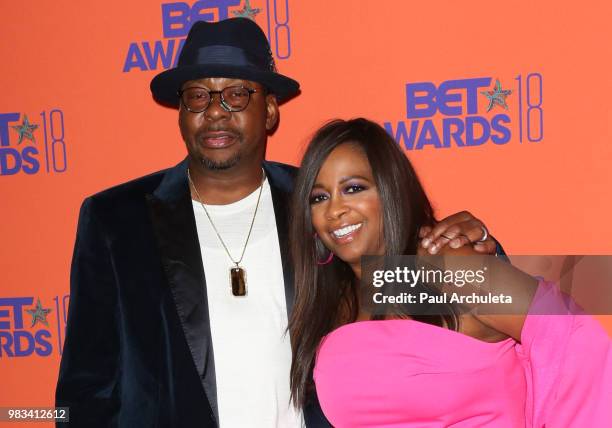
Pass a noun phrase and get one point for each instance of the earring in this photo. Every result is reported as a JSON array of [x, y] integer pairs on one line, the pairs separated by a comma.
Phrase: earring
[[327, 261], [320, 249]]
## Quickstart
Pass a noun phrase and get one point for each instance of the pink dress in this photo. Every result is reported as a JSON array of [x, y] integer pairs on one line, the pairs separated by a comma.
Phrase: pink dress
[[404, 373]]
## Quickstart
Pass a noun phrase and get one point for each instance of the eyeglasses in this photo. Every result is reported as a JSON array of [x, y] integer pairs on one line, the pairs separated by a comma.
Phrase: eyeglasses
[[233, 98]]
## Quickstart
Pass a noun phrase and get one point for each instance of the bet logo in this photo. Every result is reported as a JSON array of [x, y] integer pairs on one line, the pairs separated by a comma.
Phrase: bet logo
[[18, 338], [30, 146]]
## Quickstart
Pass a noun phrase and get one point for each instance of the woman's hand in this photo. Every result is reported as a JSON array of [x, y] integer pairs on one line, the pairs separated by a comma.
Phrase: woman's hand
[[456, 231]]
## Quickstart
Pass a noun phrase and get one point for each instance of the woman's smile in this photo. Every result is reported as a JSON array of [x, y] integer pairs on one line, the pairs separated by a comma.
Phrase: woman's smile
[[346, 234]]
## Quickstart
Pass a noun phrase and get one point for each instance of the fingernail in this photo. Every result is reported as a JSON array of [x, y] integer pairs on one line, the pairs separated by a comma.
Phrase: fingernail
[[426, 242], [433, 249], [454, 244]]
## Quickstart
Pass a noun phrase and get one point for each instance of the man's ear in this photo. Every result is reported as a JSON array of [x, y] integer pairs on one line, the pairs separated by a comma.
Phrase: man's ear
[[271, 111]]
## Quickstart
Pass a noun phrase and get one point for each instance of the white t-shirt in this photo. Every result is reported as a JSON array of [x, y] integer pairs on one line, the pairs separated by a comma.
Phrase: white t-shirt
[[252, 352]]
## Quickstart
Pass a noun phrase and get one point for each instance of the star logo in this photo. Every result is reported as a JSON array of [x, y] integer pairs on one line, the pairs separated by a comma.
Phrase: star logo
[[497, 96], [25, 130], [39, 314], [247, 11]]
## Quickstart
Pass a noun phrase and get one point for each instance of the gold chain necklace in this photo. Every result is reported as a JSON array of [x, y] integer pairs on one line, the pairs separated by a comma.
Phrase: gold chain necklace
[[237, 273]]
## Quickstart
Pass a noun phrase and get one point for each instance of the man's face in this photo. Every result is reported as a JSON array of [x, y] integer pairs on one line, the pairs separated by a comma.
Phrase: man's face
[[219, 139]]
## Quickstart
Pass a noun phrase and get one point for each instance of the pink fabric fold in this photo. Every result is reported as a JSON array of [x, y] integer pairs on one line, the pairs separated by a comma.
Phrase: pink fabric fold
[[403, 373], [567, 357]]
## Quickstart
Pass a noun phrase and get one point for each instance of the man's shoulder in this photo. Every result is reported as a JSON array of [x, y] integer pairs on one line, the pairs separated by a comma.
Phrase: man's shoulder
[[281, 174], [124, 203], [130, 189], [282, 167]]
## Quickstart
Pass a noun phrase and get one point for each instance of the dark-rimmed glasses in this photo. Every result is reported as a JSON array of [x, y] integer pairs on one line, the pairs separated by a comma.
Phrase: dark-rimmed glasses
[[233, 98]]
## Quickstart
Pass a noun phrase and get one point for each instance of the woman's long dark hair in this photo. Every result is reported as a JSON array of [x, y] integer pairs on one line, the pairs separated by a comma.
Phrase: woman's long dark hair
[[326, 295]]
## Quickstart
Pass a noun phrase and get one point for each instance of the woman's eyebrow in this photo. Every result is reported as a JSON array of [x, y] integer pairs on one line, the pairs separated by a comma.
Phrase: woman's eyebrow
[[350, 177]]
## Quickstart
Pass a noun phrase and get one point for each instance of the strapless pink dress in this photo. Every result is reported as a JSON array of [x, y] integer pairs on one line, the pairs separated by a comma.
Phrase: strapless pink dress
[[404, 373]]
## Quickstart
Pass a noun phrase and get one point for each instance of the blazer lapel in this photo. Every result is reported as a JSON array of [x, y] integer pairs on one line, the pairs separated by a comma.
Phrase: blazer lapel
[[174, 225], [281, 186]]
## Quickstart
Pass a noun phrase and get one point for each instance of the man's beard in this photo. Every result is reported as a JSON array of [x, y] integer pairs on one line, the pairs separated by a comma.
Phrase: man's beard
[[220, 165]]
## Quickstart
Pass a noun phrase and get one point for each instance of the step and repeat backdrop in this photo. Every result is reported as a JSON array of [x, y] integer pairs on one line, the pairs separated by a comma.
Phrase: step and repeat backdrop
[[504, 108]]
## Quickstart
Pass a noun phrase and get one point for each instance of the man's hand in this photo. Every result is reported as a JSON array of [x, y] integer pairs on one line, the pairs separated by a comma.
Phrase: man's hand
[[456, 231]]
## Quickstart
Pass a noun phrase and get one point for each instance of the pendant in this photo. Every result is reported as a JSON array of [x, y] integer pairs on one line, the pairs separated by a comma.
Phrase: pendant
[[238, 280]]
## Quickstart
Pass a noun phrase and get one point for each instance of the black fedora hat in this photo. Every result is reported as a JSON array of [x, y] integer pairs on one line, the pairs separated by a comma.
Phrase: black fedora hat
[[233, 48]]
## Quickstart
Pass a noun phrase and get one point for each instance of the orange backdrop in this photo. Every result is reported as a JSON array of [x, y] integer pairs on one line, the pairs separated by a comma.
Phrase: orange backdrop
[[538, 173]]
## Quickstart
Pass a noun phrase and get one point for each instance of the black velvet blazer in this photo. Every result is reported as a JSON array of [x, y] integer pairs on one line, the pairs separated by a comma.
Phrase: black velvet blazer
[[138, 347]]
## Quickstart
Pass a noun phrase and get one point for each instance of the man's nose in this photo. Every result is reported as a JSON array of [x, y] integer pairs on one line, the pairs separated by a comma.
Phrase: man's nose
[[215, 109]]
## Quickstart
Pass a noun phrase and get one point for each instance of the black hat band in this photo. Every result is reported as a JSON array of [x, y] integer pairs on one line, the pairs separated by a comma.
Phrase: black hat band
[[221, 55]]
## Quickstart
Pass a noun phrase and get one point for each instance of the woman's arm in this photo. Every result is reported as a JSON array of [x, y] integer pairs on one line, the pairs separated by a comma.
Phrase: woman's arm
[[500, 278]]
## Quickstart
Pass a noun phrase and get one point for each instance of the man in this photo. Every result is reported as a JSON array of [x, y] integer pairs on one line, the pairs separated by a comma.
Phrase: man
[[181, 283]]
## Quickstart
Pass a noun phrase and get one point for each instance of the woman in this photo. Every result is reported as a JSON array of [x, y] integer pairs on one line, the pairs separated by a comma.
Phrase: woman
[[356, 195]]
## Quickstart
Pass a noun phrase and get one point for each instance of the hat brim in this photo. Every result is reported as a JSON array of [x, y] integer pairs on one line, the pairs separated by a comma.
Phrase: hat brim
[[165, 85]]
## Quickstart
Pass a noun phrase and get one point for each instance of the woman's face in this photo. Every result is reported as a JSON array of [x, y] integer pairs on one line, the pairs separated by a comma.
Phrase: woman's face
[[345, 206]]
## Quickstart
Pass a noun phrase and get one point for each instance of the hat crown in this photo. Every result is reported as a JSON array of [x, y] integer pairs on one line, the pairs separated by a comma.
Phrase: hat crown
[[237, 41]]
